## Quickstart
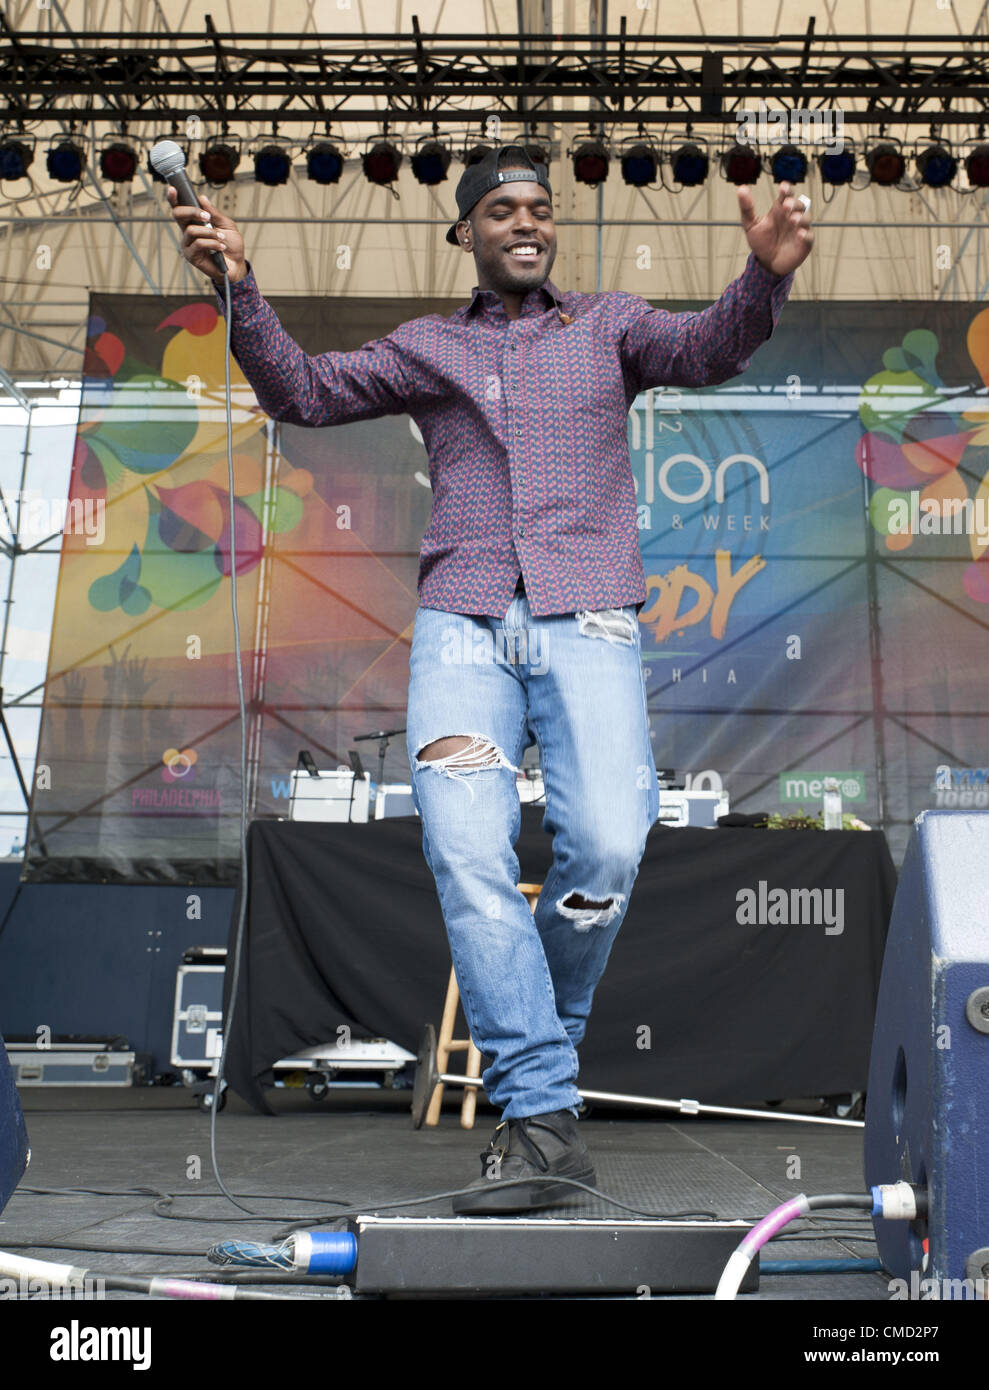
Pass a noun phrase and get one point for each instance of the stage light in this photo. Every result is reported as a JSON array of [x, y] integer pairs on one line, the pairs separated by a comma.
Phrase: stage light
[[537, 154], [590, 163], [477, 153], [886, 165], [324, 162], [430, 163], [937, 166], [689, 165], [381, 163], [66, 161], [118, 162], [272, 164], [640, 165], [741, 164], [15, 156], [218, 162], [977, 166], [837, 168], [788, 165]]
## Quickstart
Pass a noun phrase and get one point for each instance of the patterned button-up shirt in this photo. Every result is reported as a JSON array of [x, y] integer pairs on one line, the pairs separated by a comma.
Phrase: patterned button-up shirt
[[525, 422]]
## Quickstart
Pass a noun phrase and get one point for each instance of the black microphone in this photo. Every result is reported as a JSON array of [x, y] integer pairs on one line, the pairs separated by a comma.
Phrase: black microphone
[[168, 160]]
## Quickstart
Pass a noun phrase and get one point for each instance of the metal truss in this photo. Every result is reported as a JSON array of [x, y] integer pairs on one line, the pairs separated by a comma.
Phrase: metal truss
[[294, 78]]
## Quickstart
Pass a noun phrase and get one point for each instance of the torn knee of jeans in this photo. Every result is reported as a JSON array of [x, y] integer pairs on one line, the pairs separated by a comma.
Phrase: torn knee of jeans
[[478, 751], [613, 624], [586, 912], [477, 754]]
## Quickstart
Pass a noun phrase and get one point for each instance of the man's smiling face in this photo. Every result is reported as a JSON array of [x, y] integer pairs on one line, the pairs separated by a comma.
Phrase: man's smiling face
[[512, 236]]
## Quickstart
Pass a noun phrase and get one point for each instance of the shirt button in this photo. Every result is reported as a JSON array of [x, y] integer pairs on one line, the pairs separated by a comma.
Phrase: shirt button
[[521, 530], [513, 347]]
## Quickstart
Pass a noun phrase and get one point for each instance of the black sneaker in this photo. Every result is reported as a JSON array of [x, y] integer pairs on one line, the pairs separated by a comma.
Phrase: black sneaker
[[535, 1146]]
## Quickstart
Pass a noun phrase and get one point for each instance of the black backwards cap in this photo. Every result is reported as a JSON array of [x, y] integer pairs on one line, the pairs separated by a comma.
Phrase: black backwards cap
[[486, 174]]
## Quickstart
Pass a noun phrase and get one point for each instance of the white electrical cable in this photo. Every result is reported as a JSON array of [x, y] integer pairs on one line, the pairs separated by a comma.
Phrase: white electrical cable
[[57, 1276], [739, 1261], [892, 1201]]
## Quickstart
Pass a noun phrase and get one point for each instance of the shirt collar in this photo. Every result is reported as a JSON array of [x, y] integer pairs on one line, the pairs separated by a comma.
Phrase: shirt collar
[[537, 301]]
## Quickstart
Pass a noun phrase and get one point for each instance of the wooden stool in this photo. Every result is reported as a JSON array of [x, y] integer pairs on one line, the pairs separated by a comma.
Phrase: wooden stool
[[446, 1043]]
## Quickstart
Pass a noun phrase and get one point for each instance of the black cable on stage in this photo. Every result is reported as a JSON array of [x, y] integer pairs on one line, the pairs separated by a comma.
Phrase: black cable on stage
[[172, 1196], [100, 1249], [370, 1208], [217, 1274], [164, 1201], [818, 1230], [824, 1225]]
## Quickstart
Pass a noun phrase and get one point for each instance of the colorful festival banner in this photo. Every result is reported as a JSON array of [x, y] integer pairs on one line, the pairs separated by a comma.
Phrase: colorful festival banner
[[814, 537]]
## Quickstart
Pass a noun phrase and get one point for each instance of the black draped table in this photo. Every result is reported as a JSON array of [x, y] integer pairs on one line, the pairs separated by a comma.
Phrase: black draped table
[[732, 981]]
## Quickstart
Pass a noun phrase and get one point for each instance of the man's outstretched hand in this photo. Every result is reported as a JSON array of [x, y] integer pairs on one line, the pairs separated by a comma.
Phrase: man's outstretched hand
[[782, 239]]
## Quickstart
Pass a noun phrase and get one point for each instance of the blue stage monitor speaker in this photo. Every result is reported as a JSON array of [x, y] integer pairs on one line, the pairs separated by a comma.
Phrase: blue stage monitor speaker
[[927, 1106], [14, 1151]]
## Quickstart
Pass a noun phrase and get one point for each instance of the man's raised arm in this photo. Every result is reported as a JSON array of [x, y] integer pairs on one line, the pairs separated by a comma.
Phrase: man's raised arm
[[660, 348], [333, 388]]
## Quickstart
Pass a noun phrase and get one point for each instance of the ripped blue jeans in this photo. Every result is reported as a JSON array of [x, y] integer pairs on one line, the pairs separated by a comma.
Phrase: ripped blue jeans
[[575, 680]]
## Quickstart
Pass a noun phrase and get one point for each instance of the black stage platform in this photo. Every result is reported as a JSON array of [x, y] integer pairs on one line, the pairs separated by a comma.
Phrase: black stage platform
[[360, 1147]]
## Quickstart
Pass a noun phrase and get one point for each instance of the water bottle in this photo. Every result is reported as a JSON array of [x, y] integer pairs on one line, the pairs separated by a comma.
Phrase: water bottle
[[832, 804]]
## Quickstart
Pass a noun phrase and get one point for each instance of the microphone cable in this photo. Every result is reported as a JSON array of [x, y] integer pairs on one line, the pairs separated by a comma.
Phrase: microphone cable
[[238, 932]]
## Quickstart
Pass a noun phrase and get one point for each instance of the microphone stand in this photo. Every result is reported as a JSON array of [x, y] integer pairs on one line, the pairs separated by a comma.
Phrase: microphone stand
[[384, 737]]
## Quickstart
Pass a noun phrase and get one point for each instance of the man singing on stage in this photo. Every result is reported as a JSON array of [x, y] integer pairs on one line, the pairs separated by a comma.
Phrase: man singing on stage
[[530, 584]]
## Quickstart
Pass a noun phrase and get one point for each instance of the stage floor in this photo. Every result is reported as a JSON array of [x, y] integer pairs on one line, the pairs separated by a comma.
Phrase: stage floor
[[360, 1147]]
